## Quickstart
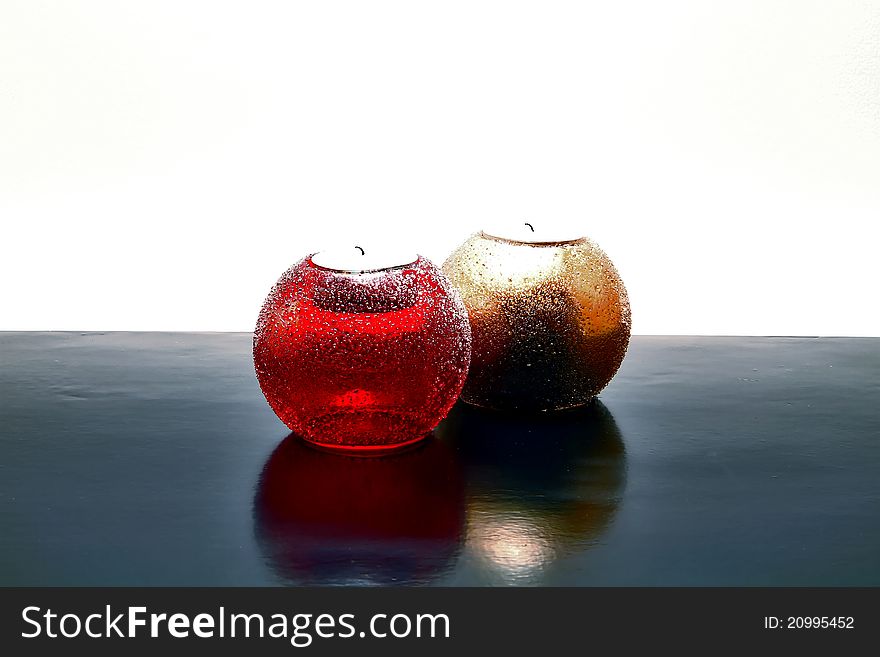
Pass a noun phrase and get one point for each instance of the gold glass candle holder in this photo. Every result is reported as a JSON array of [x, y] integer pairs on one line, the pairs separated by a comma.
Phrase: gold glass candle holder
[[550, 319]]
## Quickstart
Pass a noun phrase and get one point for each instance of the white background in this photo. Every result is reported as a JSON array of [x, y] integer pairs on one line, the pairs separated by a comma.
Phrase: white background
[[161, 163]]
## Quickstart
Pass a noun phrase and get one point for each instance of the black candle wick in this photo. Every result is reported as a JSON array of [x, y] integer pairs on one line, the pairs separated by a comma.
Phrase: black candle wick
[[362, 251], [530, 226]]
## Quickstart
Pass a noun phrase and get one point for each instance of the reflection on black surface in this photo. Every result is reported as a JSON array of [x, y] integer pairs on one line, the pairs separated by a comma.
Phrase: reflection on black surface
[[539, 486], [334, 519]]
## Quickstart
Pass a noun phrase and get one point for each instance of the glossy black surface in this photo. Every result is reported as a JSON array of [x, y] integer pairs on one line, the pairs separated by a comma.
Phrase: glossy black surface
[[141, 459]]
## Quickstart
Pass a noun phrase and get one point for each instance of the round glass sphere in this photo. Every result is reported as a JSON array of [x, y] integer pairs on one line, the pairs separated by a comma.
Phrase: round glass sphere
[[362, 360], [550, 321]]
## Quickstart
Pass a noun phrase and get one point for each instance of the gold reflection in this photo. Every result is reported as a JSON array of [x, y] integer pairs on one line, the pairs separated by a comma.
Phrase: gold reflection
[[513, 545], [540, 487], [550, 322]]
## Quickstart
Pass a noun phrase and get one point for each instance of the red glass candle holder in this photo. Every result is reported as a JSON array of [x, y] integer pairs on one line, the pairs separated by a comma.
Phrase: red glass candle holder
[[362, 360]]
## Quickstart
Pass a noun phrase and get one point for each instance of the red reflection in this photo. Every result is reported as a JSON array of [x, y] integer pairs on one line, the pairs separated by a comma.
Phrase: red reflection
[[329, 518]]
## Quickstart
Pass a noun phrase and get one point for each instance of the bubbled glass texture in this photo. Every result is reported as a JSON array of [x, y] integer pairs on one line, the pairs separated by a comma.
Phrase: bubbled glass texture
[[362, 361], [550, 322]]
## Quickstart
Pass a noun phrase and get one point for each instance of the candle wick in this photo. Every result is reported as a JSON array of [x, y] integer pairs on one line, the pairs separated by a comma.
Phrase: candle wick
[[530, 226], [360, 249]]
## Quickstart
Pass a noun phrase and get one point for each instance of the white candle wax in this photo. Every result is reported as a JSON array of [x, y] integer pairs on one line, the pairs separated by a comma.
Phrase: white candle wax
[[354, 259], [532, 232]]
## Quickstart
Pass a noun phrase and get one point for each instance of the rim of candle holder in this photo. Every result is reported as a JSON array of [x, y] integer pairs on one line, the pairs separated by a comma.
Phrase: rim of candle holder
[[362, 271], [510, 240]]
